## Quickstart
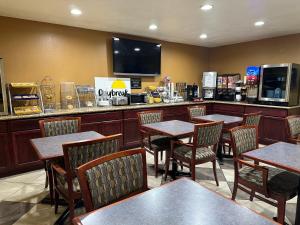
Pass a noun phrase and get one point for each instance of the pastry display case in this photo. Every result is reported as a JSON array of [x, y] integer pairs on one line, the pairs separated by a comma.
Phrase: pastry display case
[[68, 96], [25, 98], [86, 95], [3, 100], [47, 87]]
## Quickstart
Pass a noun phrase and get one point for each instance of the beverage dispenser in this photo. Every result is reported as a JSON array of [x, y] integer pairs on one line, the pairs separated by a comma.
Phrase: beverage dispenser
[[252, 82]]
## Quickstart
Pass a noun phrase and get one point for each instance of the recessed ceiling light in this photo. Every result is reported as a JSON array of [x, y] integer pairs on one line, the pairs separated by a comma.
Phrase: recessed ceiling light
[[158, 45], [206, 7], [259, 23], [203, 36], [116, 52], [137, 49], [153, 27], [116, 39], [76, 12]]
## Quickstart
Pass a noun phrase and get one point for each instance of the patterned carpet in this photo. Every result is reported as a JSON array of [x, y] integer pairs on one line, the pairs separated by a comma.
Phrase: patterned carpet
[[21, 195]]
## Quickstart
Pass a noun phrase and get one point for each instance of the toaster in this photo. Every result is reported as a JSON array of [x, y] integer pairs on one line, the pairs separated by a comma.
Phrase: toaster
[[119, 100]]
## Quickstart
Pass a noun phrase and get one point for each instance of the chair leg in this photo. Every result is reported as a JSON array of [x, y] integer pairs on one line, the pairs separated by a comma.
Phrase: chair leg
[[215, 172], [56, 200], [161, 155], [181, 165], [281, 211], [72, 210], [167, 164], [252, 195], [193, 171], [156, 162], [235, 187], [50, 178], [46, 171]]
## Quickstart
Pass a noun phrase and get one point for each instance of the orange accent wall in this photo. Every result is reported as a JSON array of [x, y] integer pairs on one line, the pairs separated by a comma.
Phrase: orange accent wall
[[32, 50], [235, 58]]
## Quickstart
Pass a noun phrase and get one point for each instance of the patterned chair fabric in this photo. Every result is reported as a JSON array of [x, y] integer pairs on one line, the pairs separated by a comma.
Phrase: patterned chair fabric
[[150, 117], [245, 140], [115, 179], [81, 154], [294, 126], [196, 111], [201, 153], [279, 181], [63, 184], [252, 120], [209, 135], [61, 127]]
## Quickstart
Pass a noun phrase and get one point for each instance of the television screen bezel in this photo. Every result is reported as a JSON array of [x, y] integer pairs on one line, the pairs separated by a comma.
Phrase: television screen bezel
[[134, 74]]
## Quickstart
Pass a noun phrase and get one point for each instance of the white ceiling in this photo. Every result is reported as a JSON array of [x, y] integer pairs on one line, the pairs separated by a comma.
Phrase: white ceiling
[[230, 21]]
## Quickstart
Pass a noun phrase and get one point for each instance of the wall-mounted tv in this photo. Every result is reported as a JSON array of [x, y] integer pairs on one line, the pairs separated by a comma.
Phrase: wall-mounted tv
[[136, 58]]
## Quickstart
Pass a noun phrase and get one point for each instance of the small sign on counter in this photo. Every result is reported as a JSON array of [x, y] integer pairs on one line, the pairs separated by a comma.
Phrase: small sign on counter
[[136, 83]]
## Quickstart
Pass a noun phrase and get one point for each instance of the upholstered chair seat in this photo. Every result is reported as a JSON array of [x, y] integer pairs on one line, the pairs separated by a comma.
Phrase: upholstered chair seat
[[159, 142], [293, 129], [202, 153], [63, 184], [279, 181]]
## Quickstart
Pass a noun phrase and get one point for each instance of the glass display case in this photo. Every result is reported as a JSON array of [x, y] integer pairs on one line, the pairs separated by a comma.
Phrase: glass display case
[[3, 100], [48, 94], [226, 84], [280, 84], [68, 95], [86, 95]]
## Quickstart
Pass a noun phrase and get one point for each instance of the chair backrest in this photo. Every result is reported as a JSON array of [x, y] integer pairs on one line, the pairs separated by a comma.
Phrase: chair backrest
[[81, 152], [252, 119], [199, 110], [207, 134], [293, 126], [244, 139], [112, 178], [60, 126], [152, 116]]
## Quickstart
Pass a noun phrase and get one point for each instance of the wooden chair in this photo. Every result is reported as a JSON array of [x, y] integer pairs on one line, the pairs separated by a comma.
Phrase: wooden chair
[[202, 150], [293, 129], [269, 182], [250, 119], [55, 127], [153, 143], [113, 178], [193, 111], [76, 154]]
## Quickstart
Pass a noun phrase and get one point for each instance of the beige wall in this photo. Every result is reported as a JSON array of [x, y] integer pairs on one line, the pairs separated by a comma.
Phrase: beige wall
[[32, 50], [235, 58]]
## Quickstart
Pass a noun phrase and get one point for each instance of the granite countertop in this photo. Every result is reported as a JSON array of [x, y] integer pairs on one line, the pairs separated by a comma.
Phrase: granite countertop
[[129, 107]]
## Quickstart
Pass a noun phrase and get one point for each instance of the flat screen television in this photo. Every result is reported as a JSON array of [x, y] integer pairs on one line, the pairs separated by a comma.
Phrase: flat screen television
[[136, 58]]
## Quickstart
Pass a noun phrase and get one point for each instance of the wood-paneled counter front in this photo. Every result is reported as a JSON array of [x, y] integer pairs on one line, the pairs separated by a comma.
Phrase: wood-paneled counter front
[[17, 154]]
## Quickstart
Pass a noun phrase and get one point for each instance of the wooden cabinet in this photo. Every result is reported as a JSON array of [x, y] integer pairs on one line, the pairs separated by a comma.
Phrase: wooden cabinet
[[4, 153], [23, 152], [131, 134]]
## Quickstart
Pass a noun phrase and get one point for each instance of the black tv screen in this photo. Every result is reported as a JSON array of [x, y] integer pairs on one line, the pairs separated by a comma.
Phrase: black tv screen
[[132, 57]]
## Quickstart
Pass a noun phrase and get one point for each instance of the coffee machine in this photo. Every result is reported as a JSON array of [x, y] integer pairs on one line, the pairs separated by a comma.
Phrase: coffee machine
[[192, 92]]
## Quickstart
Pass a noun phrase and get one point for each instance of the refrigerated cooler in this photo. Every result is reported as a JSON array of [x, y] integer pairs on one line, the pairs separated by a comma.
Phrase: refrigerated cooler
[[280, 84], [209, 84]]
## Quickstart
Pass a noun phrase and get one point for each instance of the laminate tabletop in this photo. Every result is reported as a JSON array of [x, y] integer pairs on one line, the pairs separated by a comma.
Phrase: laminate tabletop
[[281, 154], [51, 147], [181, 202], [219, 117], [174, 128]]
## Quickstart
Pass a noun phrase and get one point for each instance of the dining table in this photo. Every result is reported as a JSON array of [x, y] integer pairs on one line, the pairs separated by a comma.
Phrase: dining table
[[51, 148], [175, 129], [179, 202], [229, 122], [282, 155]]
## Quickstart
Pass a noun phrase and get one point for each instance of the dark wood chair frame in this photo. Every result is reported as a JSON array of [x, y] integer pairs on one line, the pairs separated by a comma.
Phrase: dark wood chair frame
[[72, 196], [289, 137], [243, 184], [229, 142], [191, 164], [81, 174], [49, 175], [145, 133]]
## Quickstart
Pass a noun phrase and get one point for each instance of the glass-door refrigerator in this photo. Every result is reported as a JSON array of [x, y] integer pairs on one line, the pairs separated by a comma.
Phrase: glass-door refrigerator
[[280, 84]]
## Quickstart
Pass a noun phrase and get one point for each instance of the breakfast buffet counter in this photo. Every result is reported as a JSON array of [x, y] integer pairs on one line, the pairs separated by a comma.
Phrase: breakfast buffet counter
[[17, 154]]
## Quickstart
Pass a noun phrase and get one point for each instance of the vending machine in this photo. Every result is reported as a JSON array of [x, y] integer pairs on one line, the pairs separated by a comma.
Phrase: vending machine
[[252, 83]]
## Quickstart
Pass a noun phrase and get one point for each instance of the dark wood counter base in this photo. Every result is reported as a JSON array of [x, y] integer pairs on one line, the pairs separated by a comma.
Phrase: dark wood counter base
[[17, 154]]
